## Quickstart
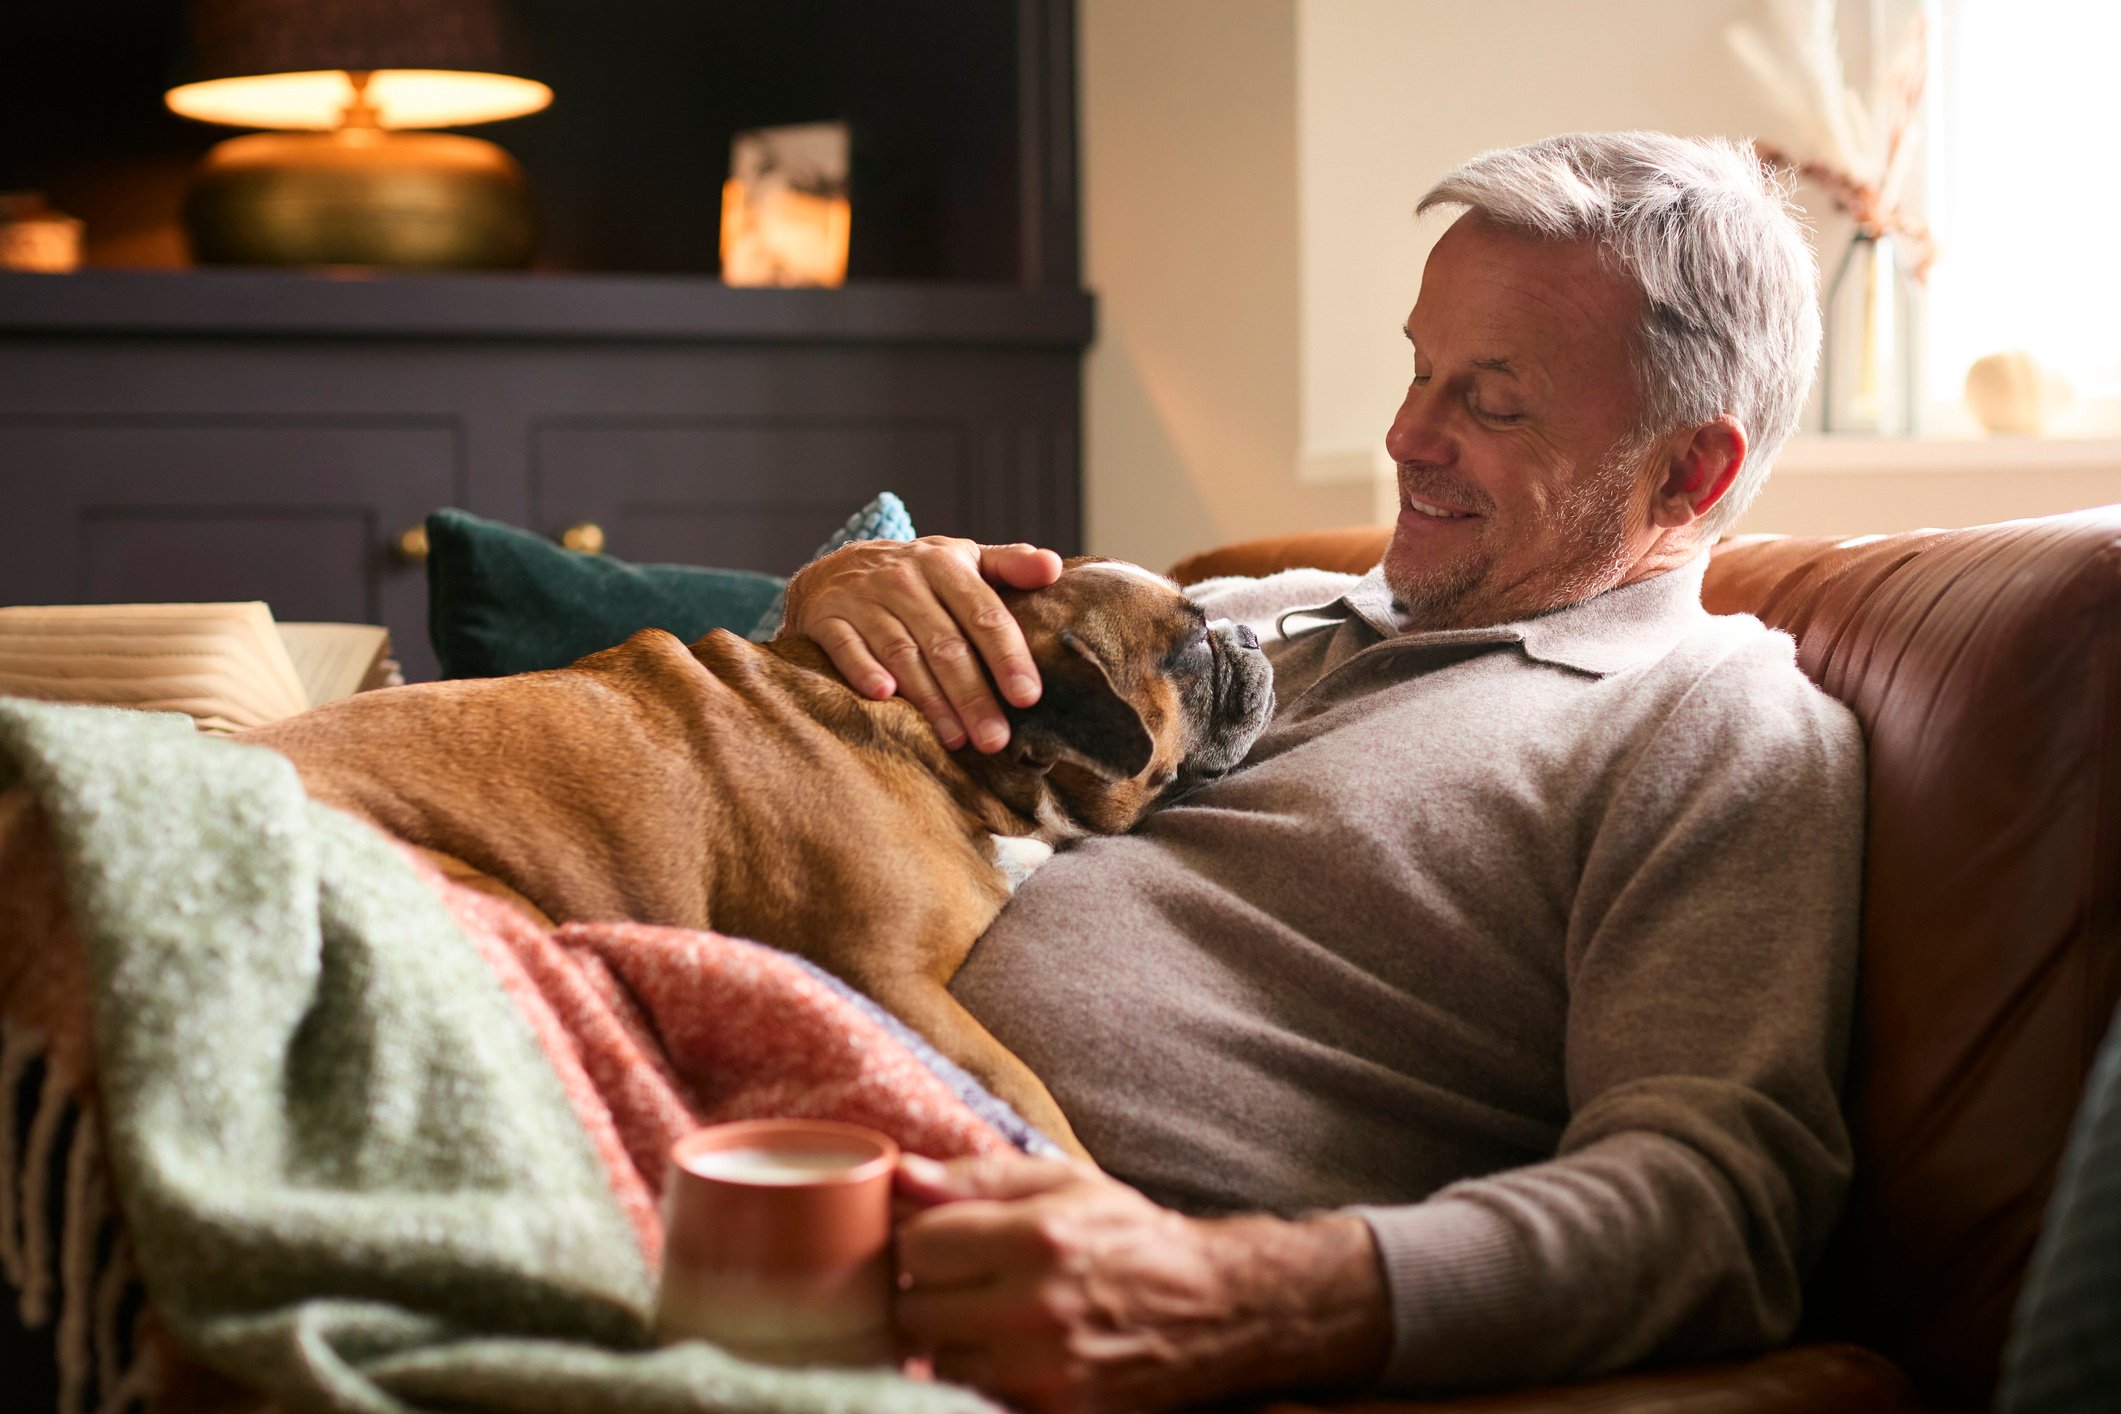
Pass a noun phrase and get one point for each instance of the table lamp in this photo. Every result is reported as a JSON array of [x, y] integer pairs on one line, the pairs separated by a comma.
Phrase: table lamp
[[349, 185]]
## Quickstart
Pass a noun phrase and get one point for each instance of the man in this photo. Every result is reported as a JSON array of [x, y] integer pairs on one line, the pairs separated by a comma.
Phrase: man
[[1485, 1027]]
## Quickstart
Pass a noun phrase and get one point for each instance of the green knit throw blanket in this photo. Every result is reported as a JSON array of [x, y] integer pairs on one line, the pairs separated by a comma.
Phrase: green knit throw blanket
[[351, 1178]]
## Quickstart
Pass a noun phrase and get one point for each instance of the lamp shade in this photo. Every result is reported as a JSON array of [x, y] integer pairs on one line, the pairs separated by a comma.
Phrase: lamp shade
[[283, 63]]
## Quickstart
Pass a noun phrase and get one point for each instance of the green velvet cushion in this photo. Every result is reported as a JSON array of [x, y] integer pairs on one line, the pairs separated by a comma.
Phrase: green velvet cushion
[[502, 600]]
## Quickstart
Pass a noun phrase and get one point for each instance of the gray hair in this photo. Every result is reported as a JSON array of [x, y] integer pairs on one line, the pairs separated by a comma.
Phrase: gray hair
[[1730, 321]]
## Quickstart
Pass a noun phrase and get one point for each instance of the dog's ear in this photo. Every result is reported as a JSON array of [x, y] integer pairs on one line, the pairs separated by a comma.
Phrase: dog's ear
[[1080, 717]]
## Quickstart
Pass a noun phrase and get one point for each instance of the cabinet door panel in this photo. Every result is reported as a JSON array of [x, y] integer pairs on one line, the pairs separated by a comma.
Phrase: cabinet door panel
[[743, 495], [300, 515]]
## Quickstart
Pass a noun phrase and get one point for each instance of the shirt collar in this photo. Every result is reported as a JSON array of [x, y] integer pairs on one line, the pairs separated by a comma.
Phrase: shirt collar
[[1619, 629]]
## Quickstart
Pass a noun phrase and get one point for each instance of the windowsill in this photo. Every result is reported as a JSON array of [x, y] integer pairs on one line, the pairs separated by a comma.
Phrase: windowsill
[[1843, 454]]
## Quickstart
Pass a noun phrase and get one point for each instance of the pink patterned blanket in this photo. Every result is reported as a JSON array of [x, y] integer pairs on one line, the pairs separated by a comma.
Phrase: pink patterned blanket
[[656, 1031]]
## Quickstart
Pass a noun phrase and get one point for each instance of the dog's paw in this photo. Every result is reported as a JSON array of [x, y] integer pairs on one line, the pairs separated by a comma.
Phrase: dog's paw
[[1018, 858]]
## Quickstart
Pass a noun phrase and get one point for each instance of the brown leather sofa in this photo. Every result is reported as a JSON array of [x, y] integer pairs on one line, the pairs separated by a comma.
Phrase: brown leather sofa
[[1985, 665]]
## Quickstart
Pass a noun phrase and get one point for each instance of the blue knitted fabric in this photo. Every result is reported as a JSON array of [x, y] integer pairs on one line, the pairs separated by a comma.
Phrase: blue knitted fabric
[[884, 518], [2064, 1352]]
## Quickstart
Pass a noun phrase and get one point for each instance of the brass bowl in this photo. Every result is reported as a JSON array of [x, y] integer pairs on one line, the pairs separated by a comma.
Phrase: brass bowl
[[360, 196]]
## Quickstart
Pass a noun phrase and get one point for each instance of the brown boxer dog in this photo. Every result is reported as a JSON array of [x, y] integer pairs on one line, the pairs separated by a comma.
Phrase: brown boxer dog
[[746, 788]]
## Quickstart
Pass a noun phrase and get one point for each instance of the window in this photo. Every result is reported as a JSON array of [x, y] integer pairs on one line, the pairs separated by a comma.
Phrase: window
[[2024, 123]]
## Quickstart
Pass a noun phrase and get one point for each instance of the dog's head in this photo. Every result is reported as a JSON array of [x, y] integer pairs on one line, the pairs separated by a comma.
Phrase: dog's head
[[1142, 694]]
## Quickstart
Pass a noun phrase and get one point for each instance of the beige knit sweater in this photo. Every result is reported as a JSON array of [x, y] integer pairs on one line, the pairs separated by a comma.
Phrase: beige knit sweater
[[1533, 944]]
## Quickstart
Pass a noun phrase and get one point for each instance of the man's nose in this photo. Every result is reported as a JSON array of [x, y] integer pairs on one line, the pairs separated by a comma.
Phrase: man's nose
[[1417, 433]]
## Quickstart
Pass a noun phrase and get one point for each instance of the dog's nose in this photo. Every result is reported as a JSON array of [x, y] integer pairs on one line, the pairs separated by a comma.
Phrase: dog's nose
[[1246, 637]]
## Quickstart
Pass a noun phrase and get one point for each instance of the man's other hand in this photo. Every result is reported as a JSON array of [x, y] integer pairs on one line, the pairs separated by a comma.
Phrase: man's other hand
[[918, 617], [1048, 1285]]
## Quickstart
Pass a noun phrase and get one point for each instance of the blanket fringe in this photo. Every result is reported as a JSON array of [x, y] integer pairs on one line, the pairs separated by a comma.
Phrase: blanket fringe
[[17, 1050], [36, 1163], [112, 1283], [87, 1206], [139, 1386], [133, 1392], [95, 1373]]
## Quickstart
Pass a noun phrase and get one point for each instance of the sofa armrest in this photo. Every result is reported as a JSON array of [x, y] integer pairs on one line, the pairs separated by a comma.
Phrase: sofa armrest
[[1349, 549]]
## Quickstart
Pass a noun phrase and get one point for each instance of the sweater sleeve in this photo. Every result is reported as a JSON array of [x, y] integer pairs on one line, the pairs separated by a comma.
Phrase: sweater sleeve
[[1710, 966]]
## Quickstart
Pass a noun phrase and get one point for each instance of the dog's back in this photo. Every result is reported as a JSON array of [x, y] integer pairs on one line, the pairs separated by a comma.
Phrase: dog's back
[[720, 786]]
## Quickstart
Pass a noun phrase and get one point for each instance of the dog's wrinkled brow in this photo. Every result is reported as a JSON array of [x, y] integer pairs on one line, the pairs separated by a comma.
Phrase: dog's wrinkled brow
[[1197, 621]]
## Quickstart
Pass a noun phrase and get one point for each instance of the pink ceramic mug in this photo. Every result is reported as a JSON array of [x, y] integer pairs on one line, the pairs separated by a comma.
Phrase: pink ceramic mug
[[776, 1242]]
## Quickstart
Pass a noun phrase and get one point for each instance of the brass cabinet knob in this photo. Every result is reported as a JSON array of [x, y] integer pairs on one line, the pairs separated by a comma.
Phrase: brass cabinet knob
[[588, 537], [411, 545]]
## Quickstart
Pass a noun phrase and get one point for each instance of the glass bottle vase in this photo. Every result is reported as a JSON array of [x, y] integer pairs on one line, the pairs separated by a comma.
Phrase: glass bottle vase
[[1867, 369]]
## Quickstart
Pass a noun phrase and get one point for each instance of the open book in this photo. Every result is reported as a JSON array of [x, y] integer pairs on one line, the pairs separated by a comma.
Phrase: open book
[[229, 665]]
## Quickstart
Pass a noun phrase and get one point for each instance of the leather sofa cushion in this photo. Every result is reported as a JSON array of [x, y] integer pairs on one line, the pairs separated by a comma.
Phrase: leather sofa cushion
[[1985, 665], [1350, 549]]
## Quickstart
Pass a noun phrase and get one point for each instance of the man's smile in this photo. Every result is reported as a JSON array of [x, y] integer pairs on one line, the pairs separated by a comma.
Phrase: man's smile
[[1431, 508]]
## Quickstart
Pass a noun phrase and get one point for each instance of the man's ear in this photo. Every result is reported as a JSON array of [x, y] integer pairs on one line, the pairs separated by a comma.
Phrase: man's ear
[[1698, 470], [1080, 717]]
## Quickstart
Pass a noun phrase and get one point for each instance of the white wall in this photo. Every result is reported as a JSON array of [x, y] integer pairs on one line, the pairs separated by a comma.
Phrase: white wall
[[1250, 171], [1394, 93], [1189, 228]]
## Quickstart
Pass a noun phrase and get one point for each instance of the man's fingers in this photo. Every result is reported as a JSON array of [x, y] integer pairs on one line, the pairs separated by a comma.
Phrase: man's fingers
[[1031, 1374], [917, 686], [917, 639], [1008, 1175], [998, 640], [844, 646], [970, 628], [966, 1244], [871, 646], [978, 1313], [914, 641], [961, 1244], [984, 1225], [1019, 566], [994, 629]]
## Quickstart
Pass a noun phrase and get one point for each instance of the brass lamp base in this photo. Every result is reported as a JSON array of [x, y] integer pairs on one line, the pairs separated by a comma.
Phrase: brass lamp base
[[360, 196]]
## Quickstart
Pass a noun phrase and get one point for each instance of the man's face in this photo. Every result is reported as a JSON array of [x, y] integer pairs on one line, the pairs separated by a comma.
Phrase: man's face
[[1517, 491]]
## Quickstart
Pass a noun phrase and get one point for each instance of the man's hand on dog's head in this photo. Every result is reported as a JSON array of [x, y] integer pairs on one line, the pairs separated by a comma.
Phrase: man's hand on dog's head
[[918, 617]]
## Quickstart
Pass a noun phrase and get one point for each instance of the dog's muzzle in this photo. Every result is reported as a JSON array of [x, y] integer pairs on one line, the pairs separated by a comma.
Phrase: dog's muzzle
[[1243, 700]]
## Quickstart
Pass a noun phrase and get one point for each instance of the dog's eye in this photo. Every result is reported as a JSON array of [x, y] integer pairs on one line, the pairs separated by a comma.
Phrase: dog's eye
[[1191, 651]]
